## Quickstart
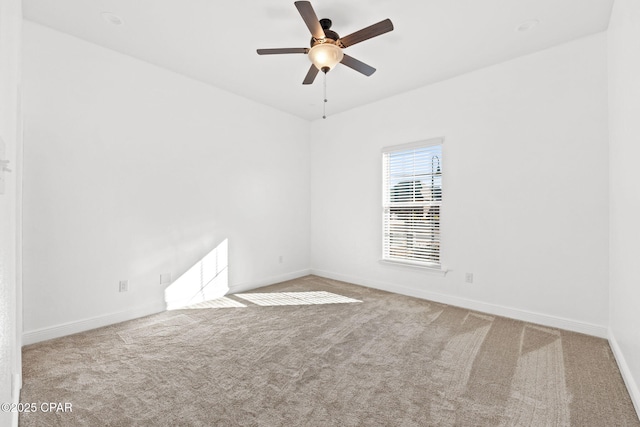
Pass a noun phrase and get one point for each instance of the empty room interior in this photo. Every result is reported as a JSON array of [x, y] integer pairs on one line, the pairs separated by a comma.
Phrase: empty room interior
[[202, 223]]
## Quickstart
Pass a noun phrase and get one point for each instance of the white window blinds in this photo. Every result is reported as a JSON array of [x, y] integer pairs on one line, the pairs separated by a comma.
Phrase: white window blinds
[[412, 197]]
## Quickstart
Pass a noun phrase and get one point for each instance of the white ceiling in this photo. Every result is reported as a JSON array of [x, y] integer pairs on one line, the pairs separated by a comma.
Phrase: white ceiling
[[215, 41]]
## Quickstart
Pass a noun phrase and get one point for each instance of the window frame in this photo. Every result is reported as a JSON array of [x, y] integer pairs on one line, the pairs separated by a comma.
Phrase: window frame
[[387, 205]]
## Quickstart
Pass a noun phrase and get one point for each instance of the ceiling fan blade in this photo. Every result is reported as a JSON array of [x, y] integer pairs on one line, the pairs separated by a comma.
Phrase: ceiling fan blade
[[311, 75], [366, 33], [309, 17], [357, 65], [277, 51]]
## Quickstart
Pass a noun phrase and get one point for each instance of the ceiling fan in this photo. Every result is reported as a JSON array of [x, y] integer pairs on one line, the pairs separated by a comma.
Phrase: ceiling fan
[[326, 45]]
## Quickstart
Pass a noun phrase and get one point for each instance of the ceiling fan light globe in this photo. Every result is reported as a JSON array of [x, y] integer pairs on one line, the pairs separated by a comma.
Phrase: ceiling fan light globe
[[325, 55]]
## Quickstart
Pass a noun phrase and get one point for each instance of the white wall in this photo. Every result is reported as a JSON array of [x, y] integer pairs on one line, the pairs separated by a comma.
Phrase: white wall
[[525, 180], [132, 171], [624, 213], [10, 149]]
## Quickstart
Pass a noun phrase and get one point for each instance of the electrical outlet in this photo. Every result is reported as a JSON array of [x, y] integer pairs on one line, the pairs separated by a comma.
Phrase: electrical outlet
[[468, 277], [280, 259], [124, 286]]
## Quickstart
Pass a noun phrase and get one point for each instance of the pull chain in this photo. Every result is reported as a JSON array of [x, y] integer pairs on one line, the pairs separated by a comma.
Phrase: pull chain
[[324, 104]]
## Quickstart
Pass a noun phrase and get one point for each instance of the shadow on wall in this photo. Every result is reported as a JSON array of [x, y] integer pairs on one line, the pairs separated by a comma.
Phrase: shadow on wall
[[206, 280]]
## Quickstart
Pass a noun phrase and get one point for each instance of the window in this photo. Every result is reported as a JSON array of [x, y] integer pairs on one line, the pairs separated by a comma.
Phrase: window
[[412, 196]]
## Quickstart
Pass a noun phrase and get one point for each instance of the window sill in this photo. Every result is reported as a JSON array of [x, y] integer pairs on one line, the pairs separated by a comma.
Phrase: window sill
[[440, 271]]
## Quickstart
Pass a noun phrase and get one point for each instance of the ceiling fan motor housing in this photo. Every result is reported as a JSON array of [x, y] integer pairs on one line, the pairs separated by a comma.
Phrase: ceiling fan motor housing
[[330, 36]]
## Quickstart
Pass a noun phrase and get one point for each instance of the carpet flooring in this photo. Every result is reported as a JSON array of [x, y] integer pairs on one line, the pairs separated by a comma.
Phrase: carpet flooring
[[318, 352]]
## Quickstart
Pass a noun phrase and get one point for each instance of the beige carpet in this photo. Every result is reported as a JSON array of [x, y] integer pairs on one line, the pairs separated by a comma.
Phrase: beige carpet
[[316, 352]]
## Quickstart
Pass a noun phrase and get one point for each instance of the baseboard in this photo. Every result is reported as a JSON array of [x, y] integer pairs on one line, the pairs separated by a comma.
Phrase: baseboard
[[16, 385], [57, 331], [632, 386], [512, 313]]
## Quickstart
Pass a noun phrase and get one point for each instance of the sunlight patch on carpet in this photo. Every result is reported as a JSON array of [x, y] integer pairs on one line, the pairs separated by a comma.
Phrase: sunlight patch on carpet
[[295, 298], [222, 302]]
